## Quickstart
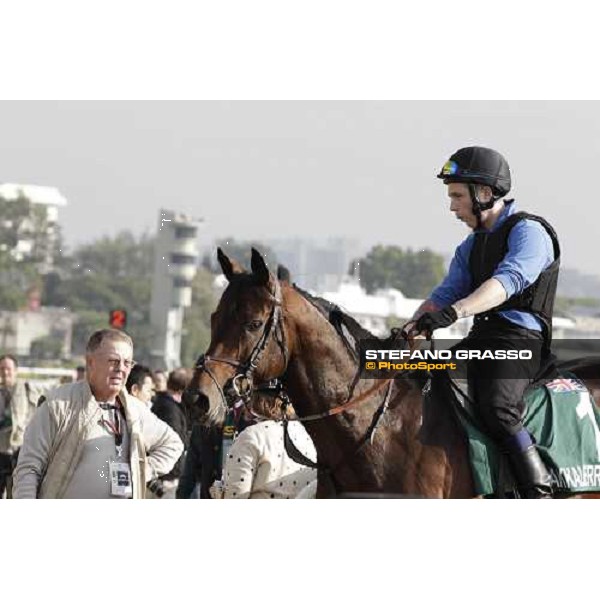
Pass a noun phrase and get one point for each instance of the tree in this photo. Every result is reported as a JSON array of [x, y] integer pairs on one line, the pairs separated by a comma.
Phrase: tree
[[565, 306], [123, 255], [196, 321], [16, 278], [100, 276], [22, 221], [414, 273], [46, 347], [13, 214], [86, 322]]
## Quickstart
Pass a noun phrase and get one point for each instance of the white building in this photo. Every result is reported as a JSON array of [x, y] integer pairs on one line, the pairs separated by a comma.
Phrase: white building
[[375, 311], [18, 330]]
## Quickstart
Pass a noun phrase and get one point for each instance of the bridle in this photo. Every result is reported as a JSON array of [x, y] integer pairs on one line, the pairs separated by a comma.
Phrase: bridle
[[241, 385]]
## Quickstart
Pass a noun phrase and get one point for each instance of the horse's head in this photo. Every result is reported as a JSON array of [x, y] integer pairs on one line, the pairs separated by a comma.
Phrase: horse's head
[[248, 346]]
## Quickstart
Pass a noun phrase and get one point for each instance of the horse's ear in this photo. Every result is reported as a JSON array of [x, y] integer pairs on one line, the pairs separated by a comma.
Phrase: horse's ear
[[283, 274], [259, 267], [230, 267]]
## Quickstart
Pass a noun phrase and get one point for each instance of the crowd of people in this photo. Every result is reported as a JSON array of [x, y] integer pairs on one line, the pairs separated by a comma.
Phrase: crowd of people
[[119, 430]]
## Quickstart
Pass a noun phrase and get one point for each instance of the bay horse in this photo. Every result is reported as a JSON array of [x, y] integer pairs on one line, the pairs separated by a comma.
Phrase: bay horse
[[366, 432]]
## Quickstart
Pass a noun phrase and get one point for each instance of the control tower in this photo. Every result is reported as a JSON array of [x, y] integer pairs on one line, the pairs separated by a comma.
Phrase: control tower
[[175, 265]]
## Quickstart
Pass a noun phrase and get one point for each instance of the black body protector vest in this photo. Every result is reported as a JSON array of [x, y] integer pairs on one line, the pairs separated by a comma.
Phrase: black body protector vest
[[538, 299]]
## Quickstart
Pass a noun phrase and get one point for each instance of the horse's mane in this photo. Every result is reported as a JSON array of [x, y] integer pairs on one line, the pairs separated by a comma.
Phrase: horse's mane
[[351, 333], [346, 326]]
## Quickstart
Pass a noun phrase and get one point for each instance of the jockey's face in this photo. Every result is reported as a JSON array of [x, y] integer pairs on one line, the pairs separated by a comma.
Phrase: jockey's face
[[461, 204]]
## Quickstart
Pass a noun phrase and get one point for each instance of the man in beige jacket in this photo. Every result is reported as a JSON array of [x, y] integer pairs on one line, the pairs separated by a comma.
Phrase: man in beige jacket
[[91, 439], [18, 401]]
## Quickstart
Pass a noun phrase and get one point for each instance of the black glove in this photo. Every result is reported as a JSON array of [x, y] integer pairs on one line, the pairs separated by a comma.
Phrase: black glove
[[428, 322]]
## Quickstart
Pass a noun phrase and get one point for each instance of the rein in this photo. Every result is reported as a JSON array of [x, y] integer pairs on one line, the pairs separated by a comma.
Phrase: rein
[[340, 408], [298, 457]]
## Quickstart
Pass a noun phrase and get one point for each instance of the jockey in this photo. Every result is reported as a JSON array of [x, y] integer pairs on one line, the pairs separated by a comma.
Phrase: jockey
[[504, 273]]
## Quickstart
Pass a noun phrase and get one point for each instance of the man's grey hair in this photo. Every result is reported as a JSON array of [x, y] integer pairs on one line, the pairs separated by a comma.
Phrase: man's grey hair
[[113, 335]]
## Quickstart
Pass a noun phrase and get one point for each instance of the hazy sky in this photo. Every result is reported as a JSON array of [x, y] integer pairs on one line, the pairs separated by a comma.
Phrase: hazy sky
[[255, 170]]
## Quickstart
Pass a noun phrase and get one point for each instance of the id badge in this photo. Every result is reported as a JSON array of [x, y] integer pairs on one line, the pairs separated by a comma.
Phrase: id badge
[[120, 480]]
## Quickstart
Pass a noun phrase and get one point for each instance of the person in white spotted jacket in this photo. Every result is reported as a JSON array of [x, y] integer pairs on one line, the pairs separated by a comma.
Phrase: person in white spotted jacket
[[258, 466]]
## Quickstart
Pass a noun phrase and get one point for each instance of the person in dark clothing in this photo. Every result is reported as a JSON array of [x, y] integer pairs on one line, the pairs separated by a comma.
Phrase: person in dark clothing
[[504, 274], [80, 373], [167, 407], [204, 461]]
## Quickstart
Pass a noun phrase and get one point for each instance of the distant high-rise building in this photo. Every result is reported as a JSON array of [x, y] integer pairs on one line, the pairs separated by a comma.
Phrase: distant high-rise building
[[316, 265]]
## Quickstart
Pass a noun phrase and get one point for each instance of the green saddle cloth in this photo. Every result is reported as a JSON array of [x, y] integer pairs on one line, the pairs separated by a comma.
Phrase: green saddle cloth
[[565, 423]]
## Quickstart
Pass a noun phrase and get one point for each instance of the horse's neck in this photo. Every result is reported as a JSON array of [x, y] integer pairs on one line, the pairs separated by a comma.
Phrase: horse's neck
[[321, 370], [320, 376]]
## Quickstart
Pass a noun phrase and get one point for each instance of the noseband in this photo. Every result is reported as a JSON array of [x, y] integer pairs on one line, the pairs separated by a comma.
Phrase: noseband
[[241, 385]]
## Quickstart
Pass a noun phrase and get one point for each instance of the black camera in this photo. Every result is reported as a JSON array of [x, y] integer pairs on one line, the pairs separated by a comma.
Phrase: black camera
[[156, 487]]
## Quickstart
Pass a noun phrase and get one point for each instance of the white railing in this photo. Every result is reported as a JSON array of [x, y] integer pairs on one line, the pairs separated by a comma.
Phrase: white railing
[[46, 372]]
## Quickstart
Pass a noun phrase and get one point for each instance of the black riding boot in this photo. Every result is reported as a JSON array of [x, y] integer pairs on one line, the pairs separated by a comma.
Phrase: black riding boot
[[533, 478]]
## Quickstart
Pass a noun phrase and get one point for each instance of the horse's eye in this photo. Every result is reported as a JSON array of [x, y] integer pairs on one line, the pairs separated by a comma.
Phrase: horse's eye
[[254, 325]]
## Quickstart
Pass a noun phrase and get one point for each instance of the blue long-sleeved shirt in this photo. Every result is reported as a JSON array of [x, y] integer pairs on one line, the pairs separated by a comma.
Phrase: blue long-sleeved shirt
[[530, 251]]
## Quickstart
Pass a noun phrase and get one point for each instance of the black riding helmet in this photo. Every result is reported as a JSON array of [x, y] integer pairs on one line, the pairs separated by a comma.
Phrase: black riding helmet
[[477, 165]]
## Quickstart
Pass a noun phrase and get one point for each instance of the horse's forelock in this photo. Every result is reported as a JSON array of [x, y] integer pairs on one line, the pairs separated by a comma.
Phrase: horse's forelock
[[234, 299]]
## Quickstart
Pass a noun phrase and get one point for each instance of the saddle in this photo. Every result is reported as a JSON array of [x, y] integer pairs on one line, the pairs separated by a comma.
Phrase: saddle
[[559, 413]]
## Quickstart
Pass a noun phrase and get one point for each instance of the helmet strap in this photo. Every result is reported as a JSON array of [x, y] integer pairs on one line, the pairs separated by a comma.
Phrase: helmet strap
[[479, 206]]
